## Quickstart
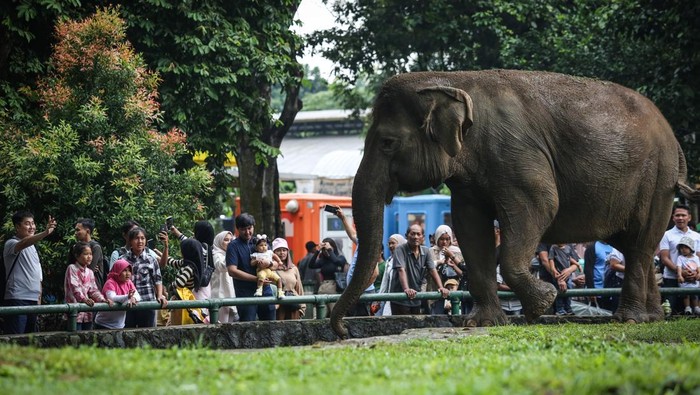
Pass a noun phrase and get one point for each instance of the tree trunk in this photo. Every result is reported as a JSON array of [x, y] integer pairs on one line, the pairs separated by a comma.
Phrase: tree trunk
[[260, 184]]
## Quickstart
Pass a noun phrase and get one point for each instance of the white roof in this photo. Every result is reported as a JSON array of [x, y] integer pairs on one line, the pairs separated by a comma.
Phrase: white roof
[[334, 157]]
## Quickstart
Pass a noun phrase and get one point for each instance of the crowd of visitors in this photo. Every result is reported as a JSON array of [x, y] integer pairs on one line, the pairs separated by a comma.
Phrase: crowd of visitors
[[228, 265]]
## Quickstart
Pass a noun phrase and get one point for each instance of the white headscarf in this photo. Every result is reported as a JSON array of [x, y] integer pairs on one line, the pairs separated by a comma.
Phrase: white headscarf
[[441, 230], [218, 247], [399, 239]]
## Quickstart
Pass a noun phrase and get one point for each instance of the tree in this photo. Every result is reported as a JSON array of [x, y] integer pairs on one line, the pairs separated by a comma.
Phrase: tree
[[95, 152], [650, 46], [218, 61]]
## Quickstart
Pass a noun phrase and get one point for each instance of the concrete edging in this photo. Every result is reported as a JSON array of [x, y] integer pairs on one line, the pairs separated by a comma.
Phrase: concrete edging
[[258, 334]]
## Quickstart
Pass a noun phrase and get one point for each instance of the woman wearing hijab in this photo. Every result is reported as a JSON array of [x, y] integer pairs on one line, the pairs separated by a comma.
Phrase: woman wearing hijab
[[447, 259], [394, 241], [204, 233], [188, 280], [118, 288], [221, 283], [189, 268], [447, 255]]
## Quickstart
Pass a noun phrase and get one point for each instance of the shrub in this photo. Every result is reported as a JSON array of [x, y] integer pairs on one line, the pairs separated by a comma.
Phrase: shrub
[[95, 151]]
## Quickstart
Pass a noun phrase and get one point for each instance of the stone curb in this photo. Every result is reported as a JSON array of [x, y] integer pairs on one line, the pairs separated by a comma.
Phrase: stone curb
[[259, 334]]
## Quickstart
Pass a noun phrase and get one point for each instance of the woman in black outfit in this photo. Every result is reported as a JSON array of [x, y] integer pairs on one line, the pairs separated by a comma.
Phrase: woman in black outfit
[[330, 261]]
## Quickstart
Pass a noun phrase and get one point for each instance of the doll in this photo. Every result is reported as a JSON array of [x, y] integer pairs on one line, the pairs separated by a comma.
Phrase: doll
[[262, 259]]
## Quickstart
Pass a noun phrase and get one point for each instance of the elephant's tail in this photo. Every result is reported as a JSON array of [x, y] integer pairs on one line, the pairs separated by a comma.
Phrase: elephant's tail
[[684, 189]]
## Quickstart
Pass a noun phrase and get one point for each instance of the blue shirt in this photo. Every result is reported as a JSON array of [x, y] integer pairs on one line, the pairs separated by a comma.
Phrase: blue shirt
[[602, 251], [351, 270], [238, 254]]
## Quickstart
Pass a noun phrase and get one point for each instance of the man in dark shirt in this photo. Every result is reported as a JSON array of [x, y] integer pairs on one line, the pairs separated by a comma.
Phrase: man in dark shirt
[[411, 260], [243, 273]]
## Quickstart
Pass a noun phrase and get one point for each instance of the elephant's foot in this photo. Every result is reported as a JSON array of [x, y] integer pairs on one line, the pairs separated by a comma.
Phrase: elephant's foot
[[654, 309], [538, 300], [631, 312], [486, 316]]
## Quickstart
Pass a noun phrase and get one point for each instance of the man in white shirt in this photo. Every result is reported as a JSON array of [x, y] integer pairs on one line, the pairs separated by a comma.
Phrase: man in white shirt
[[23, 273], [668, 250]]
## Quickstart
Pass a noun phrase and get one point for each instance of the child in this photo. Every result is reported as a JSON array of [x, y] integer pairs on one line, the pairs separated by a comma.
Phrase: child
[[444, 306], [118, 288], [564, 260], [80, 285], [689, 262], [262, 260]]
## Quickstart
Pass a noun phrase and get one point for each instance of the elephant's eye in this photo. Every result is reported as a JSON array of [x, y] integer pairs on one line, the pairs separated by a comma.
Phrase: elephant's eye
[[388, 144]]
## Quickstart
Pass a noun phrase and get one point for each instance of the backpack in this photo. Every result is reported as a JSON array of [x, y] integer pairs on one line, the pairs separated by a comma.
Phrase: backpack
[[104, 270], [5, 276], [207, 270]]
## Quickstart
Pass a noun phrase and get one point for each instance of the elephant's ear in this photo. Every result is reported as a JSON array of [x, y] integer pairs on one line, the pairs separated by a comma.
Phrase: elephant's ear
[[449, 115]]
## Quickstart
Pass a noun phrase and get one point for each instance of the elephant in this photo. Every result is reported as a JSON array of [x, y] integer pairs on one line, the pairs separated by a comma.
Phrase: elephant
[[552, 157]]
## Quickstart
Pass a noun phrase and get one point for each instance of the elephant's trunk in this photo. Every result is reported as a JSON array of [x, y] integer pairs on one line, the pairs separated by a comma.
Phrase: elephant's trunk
[[368, 213]]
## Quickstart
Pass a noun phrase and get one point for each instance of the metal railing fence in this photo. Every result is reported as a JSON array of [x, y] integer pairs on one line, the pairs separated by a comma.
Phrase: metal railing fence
[[319, 301]]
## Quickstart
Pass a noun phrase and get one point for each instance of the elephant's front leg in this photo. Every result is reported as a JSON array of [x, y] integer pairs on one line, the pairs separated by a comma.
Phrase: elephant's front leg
[[524, 219], [475, 234], [535, 295]]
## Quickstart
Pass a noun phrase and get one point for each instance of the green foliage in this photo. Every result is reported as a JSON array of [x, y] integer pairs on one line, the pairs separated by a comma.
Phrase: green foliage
[[556, 359], [96, 154], [324, 100], [218, 60], [312, 85]]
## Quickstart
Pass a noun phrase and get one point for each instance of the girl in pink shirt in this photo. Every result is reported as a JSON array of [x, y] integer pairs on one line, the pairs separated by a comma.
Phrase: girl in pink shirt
[[80, 285], [118, 288]]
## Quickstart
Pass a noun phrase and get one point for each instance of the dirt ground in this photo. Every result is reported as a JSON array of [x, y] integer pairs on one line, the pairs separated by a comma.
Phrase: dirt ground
[[408, 334]]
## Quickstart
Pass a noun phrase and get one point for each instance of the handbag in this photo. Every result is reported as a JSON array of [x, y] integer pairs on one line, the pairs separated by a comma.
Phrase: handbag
[[447, 271], [341, 281], [185, 316]]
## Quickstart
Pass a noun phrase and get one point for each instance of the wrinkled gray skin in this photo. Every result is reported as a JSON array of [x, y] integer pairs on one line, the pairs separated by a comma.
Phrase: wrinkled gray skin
[[553, 157]]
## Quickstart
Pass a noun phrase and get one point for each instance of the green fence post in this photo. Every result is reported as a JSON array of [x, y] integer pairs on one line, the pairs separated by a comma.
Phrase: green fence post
[[456, 306], [214, 313], [321, 308], [72, 318]]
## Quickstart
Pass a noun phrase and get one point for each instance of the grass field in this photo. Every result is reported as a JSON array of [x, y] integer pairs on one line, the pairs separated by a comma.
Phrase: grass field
[[652, 358]]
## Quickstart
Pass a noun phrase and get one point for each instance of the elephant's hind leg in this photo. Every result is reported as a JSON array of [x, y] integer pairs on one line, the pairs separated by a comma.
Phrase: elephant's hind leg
[[640, 300], [633, 306]]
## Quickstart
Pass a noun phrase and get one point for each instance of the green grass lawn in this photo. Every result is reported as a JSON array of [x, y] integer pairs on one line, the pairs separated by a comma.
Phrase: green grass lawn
[[539, 359]]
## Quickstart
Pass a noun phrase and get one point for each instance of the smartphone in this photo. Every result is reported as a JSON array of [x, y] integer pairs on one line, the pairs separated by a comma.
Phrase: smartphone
[[168, 223], [331, 209]]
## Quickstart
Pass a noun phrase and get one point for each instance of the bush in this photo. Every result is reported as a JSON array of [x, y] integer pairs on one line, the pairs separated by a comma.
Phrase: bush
[[94, 150]]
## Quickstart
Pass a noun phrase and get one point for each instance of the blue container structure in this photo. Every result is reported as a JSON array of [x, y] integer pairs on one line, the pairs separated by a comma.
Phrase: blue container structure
[[430, 211]]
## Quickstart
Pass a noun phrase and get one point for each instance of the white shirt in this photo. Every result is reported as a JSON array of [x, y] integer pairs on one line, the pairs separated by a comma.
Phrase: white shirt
[[670, 242], [617, 255]]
